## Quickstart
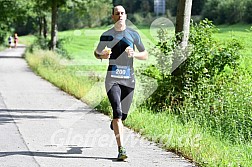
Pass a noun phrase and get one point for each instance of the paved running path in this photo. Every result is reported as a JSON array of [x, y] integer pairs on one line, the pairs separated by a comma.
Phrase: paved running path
[[41, 125]]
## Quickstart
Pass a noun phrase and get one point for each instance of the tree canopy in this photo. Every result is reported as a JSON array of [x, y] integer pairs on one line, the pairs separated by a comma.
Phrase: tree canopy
[[36, 16]]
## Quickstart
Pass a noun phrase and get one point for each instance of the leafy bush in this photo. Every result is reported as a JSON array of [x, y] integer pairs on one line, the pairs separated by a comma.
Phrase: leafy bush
[[60, 47], [39, 43], [142, 18], [44, 44], [206, 88], [204, 59], [2, 38]]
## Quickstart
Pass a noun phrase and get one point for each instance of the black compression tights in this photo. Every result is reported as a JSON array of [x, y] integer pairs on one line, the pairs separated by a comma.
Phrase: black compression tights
[[120, 98]]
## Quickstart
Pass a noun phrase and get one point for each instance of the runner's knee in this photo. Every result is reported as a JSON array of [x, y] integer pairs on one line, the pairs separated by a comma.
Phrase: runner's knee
[[124, 116]]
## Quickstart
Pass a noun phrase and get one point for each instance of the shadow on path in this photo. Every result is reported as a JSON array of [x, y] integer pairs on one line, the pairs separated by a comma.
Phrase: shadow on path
[[73, 152], [6, 115], [11, 57]]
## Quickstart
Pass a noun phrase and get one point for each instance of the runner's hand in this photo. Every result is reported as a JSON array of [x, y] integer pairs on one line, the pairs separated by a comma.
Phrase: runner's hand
[[106, 53], [130, 51]]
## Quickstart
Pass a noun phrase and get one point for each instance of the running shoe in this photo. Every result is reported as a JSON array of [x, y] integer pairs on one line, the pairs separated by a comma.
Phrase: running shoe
[[122, 154]]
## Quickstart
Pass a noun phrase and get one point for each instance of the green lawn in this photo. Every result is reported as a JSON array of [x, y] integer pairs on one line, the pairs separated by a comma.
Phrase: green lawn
[[243, 34]]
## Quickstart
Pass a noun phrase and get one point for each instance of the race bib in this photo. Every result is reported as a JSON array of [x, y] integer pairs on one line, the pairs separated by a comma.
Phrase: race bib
[[120, 72]]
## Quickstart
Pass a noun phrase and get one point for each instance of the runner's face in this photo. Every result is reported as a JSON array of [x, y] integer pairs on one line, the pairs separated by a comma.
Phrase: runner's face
[[119, 16]]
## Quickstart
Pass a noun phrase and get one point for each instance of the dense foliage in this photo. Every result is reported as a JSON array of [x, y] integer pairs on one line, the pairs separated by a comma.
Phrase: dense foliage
[[204, 89], [12, 12], [29, 17], [204, 59], [230, 12]]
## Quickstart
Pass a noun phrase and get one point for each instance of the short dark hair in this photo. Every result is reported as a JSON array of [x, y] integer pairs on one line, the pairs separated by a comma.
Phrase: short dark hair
[[113, 9]]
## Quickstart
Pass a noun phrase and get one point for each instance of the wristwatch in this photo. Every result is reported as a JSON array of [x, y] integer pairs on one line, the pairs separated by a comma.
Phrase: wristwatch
[[99, 56]]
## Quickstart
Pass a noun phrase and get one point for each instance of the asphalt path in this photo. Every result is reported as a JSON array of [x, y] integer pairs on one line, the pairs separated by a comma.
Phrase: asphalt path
[[40, 125]]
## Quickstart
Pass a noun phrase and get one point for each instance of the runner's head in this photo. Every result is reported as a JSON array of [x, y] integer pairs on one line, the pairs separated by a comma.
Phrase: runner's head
[[119, 15]]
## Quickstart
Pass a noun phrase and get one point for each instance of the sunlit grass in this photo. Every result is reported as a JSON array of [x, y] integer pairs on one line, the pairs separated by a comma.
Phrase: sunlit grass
[[242, 33], [27, 40]]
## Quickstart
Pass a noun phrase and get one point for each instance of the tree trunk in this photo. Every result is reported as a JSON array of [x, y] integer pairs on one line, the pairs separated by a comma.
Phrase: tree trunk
[[181, 52], [45, 27], [54, 25], [182, 33], [40, 26], [183, 21]]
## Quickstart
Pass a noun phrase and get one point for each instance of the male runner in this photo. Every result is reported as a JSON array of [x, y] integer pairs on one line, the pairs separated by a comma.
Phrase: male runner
[[118, 45]]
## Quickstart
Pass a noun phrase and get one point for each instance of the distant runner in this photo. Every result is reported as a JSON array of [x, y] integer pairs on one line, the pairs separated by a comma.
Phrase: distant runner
[[10, 41], [15, 40]]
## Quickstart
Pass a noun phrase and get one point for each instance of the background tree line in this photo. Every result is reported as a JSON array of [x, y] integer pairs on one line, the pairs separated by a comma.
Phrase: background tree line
[[219, 11], [34, 16]]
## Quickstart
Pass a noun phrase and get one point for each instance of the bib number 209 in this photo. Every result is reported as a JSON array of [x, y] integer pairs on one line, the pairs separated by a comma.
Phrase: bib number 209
[[120, 72]]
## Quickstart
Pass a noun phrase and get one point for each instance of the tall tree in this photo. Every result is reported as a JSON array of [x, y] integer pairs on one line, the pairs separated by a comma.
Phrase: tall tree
[[42, 11], [182, 33], [11, 13], [89, 7], [54, 7], [6, 17], [183, 21]]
